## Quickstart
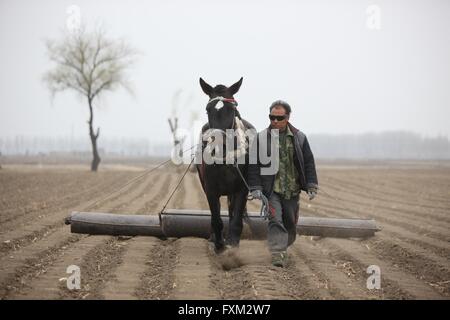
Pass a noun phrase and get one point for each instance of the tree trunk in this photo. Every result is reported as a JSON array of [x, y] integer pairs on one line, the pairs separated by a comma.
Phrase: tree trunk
[[94, 136]]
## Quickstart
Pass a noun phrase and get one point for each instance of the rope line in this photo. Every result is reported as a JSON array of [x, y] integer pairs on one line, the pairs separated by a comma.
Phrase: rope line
[[132, 180], [176, 188]]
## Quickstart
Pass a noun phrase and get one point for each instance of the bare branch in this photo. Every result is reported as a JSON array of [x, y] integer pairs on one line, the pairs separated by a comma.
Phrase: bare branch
[[89, 63], [104, 85]]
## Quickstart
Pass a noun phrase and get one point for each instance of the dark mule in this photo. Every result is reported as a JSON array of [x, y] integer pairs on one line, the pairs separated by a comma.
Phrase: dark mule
[[224, 179]]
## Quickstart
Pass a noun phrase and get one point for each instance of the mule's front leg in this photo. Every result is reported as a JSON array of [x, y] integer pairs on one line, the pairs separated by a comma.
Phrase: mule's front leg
[[236, 212], [216, 222]]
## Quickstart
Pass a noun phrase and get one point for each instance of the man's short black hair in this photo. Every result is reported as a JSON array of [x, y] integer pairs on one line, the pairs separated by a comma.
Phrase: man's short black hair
[[281, 103]]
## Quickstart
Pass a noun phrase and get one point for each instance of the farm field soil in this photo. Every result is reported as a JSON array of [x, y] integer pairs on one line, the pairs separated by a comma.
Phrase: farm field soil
[[410, 202]]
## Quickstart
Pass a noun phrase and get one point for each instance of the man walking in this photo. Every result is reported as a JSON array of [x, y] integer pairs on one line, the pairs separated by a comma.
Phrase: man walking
[[296, 172]]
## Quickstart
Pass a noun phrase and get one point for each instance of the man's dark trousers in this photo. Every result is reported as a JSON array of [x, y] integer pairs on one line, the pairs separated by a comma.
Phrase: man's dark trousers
[[282, 222]]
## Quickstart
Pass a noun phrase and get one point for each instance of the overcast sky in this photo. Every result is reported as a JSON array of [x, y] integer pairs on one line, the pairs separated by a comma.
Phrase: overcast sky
[[339, 75]]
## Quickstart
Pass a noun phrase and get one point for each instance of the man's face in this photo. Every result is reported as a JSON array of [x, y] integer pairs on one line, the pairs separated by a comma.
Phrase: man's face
[[279, 111]]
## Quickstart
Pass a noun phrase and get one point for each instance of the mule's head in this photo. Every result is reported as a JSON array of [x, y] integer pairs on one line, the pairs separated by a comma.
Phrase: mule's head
[[220, 111]]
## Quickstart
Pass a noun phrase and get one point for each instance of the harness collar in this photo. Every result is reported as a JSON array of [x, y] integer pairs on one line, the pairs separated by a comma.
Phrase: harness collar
[[230, 156]]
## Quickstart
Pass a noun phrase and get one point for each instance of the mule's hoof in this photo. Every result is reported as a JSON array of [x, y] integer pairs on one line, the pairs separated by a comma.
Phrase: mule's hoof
[[220, 249], [232, 245], [232, 248]]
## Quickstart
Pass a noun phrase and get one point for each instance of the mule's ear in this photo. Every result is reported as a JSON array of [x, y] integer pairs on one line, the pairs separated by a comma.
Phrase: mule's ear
[[206, 87], [235, 87]]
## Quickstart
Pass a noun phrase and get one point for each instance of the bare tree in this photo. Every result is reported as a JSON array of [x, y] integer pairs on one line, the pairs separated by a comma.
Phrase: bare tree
[[173, 123], [90, 64], [177, 139]]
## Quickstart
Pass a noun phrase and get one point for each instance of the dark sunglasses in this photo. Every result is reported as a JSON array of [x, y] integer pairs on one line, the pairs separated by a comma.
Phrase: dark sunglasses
[[279, 118]]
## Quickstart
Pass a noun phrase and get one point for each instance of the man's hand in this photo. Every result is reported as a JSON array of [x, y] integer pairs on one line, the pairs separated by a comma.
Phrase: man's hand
[[312, 192], [257, 194]]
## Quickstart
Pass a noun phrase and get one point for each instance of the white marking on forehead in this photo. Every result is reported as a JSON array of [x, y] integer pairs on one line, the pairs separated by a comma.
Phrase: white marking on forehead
[[219, 105]]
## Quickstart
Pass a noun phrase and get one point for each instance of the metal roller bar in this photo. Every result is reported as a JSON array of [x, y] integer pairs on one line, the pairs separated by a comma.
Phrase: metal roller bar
[[114, 224], [197, 223]]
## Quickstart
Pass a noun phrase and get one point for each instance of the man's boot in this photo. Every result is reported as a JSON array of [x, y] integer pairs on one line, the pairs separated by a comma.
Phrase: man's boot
[[279, 259]]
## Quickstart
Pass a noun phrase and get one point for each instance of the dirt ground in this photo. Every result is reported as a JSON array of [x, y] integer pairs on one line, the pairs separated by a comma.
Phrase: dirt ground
[[410, 202]]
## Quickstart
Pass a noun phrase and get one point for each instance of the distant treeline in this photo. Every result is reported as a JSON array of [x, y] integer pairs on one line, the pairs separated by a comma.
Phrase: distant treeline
[[126, 147], [385, 145]]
